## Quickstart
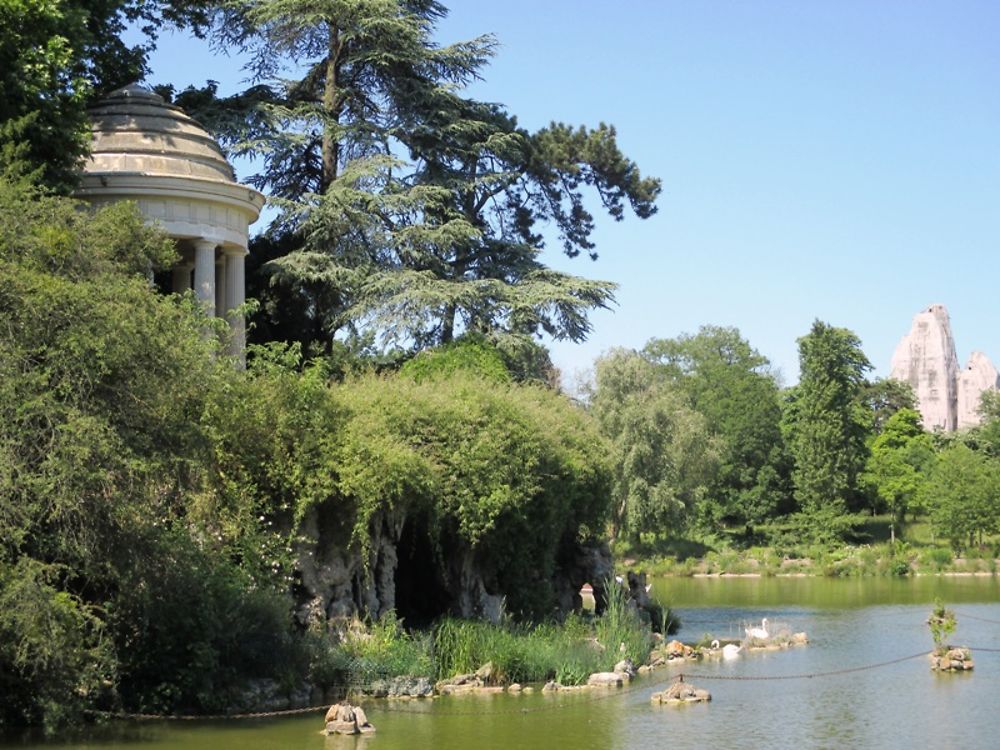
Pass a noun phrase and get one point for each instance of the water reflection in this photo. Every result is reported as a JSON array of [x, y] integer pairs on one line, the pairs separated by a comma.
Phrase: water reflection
[[850, 623]]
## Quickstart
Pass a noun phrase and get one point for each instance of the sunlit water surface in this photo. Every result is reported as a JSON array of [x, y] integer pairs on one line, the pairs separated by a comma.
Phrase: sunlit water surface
[[850, 623]]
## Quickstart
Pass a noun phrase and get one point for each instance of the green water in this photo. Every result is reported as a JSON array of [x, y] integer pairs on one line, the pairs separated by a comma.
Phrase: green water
[[850, 623]]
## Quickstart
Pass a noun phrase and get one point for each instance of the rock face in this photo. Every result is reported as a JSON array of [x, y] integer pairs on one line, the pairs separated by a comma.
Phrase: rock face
[[948, 399], [925, 358], [978, 377], [402, 573]]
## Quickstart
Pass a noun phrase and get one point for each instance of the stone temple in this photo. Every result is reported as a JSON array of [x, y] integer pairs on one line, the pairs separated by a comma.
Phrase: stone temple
[[151, 152], [948, 399]]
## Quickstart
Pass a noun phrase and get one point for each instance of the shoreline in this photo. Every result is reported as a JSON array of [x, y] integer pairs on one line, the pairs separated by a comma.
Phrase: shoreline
[[915, 573]]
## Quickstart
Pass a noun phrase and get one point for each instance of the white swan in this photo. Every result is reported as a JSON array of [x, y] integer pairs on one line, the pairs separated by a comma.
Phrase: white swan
[[729, 651], [760, 632]]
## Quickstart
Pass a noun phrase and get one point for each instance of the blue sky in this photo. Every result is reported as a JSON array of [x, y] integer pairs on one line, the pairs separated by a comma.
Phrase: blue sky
[[832, 160]]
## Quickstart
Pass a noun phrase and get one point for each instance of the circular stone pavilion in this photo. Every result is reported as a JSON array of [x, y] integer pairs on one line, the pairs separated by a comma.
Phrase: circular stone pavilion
[[150, 152]]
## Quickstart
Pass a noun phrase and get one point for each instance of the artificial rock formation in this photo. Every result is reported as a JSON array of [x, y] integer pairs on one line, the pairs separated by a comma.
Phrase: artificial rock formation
[[978, 377], [948, 399], [402, 573], [925, 358]]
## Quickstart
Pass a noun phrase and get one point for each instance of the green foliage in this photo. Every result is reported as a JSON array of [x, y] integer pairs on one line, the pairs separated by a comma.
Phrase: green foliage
[[986, 436], [111, 590], [897, 463], [408, 210], [385, 649], [56, 54], [468, 355], [959, 494], [192, 628], [826, 424], [569, 652], [883, 398], [496, 467], [664, 455], [942, 624], [731, 385], [53, 650], [619, 628], [486, 466]]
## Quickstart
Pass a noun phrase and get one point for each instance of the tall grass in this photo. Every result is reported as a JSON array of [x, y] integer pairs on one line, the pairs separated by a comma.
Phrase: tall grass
[[363, 655], [567, 652], [619, 629], [519, 653]]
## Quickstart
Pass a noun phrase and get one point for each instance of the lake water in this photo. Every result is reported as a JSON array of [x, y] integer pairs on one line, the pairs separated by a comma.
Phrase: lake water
[[759, 700]]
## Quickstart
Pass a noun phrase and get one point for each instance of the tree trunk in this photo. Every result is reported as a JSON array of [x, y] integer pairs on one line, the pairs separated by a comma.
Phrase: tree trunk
[[448, 324], [331, 146]]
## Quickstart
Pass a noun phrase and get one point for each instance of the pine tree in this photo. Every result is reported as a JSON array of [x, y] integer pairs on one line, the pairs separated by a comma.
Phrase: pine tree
[[409, 210]]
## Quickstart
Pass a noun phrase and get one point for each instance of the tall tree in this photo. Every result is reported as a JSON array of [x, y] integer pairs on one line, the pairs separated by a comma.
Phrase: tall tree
[[828, 438], [884, 397], [732, 386], [417, 212], [897, 464], [960, 494], [664, 454]]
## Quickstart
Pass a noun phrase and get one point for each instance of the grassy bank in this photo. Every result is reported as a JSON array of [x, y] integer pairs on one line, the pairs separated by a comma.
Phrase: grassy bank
[[568, 652], [915, 552]]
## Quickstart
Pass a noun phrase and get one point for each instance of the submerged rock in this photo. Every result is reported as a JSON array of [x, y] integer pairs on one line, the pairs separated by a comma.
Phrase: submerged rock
[[681, 692]]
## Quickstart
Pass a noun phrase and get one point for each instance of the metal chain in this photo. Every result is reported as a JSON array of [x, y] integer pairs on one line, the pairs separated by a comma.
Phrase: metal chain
[[806, 675], [644, 685], [975, 617], [207, 717]]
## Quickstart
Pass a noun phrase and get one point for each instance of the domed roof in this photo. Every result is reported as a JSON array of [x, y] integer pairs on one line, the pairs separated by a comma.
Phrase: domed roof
[[135, 131]]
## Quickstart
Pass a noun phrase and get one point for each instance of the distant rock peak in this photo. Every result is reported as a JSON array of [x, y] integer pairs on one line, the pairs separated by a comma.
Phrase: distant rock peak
[[978, 377], [948, 399]]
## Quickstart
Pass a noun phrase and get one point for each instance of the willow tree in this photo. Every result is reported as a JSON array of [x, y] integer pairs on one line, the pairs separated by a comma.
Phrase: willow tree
[[664, 455], [413, 211]]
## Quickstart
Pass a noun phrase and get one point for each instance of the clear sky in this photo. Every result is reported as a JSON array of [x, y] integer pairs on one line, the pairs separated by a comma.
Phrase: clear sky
[[837, 160]]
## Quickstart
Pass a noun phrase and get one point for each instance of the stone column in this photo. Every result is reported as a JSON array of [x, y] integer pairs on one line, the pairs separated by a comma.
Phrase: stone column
[[204, 274], [235, 297], [221, 305], [181, 278]]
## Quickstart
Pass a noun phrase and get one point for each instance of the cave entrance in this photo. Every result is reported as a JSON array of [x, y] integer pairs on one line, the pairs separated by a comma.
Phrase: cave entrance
[[421, 595]]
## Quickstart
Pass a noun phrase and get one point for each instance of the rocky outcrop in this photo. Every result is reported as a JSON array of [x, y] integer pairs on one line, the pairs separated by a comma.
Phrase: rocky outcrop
[[343, 718], [680, 693], [403, 572], [978, 377], [925, 358], [952, 660]]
